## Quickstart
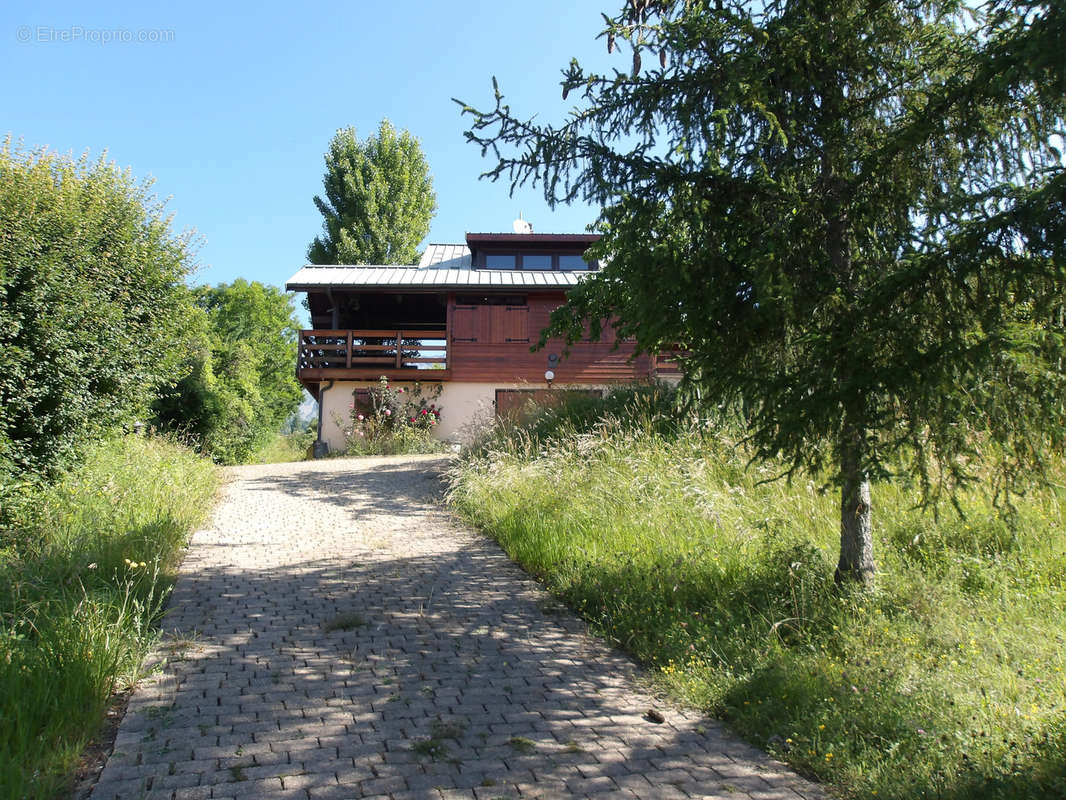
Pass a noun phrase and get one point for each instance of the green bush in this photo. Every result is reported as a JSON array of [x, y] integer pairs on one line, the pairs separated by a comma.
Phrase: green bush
[[393, 420], [94, 313], [948, 680], [82, 577]]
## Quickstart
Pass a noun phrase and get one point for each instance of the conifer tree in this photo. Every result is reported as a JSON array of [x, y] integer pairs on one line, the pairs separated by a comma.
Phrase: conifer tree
[[848, 214]]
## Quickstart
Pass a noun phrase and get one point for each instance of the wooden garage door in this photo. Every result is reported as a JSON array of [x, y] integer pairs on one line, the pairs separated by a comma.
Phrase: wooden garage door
[[519, 403]]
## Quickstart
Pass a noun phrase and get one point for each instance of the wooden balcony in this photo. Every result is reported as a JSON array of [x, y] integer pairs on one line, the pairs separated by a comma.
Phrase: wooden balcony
[[407, 355]]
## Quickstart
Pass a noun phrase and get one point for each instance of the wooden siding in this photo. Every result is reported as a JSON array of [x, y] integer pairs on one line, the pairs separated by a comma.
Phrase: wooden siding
[[484, 342], [492, 343]]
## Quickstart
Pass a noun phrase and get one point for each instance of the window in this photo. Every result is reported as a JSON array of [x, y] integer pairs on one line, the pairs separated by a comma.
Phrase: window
[[539, 261], [573, 262], [536, 261], [500, 260]]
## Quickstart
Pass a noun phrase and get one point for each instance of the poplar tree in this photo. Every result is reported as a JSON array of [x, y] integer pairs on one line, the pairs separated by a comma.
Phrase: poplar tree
[[378, 199], [847, 214]]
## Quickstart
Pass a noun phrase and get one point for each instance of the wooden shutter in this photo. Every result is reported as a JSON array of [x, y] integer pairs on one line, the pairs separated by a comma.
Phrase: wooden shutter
[[510, 324], [466, 323]]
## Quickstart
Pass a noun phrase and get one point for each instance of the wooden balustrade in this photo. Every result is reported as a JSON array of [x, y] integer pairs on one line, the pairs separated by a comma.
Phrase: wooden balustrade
[[370, 353]]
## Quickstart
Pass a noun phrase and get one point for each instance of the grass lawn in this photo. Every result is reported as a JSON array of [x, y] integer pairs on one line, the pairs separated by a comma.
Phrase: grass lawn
[[946, 681], [83, 574]]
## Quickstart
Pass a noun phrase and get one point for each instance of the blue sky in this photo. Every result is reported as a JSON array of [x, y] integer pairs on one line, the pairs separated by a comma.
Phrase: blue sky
[[231, 110]]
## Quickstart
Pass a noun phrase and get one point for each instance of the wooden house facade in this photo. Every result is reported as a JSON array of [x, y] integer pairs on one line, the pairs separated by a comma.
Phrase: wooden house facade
[[466, 317]]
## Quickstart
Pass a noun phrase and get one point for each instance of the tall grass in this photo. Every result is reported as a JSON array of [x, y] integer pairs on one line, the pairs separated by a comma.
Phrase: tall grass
[[947, 681], [82, 576], [285, 448]]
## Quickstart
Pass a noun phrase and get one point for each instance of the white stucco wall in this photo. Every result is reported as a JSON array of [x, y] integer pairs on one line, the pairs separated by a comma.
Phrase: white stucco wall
[[465, 407]]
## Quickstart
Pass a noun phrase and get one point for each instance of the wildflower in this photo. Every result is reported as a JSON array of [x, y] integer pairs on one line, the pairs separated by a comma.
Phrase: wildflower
[[424, 412], [410, 419], [360, 417], [388, 412], [400, 390]]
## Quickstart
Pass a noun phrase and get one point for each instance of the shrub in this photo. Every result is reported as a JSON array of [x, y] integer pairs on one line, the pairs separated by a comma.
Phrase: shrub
[[94, 313], [388, 420]]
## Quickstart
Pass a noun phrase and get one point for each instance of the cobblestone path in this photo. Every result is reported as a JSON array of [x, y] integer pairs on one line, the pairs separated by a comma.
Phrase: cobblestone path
[[335, 634]]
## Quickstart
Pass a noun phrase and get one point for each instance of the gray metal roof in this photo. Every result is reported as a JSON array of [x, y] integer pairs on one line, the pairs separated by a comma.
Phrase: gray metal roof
[[446, 256], [428, 278], [443, 266]]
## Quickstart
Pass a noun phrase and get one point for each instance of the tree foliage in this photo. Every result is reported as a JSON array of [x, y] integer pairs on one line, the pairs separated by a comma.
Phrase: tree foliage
[[94, 312], [379, 199], [240, 387], [848, 214]]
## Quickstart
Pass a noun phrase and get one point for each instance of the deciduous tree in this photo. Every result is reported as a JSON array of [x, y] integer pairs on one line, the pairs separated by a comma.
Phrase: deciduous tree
[[378, 202], [240, 387], [848, 214]]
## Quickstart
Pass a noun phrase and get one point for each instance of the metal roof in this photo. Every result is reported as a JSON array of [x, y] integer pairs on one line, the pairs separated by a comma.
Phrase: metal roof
[[442, 267], [432, 278], [548, 239], [446, 256]]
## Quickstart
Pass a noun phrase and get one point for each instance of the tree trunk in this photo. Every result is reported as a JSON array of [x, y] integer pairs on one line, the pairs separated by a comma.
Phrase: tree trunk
[[856, 520]]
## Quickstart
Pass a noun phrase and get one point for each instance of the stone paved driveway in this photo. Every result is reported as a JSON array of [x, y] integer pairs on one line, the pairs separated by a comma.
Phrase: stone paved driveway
[[335, 634]]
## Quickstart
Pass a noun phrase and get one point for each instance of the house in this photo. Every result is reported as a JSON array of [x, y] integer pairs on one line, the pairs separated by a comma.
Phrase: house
[[466, 317]]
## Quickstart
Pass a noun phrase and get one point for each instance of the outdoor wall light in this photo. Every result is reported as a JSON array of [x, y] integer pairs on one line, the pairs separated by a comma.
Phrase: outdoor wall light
[[553, 362]]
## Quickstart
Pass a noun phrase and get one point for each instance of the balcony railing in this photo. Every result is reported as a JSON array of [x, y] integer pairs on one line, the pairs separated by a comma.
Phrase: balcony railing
[[371, 353]]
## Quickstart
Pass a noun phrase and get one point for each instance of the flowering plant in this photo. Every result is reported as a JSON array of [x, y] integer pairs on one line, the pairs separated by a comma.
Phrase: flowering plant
[[393, 419]]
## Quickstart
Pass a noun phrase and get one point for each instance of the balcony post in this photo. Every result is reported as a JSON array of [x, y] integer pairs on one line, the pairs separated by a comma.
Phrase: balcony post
[[348, 352], [399, 349]]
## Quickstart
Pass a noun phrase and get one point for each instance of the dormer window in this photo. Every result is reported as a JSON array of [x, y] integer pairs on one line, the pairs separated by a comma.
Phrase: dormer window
[[500, 260], [531, 252], [537, 261], [574, 262], [533, 261]]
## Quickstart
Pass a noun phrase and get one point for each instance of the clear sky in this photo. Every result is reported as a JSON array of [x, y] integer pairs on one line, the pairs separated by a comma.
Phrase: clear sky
[[230, 106]]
